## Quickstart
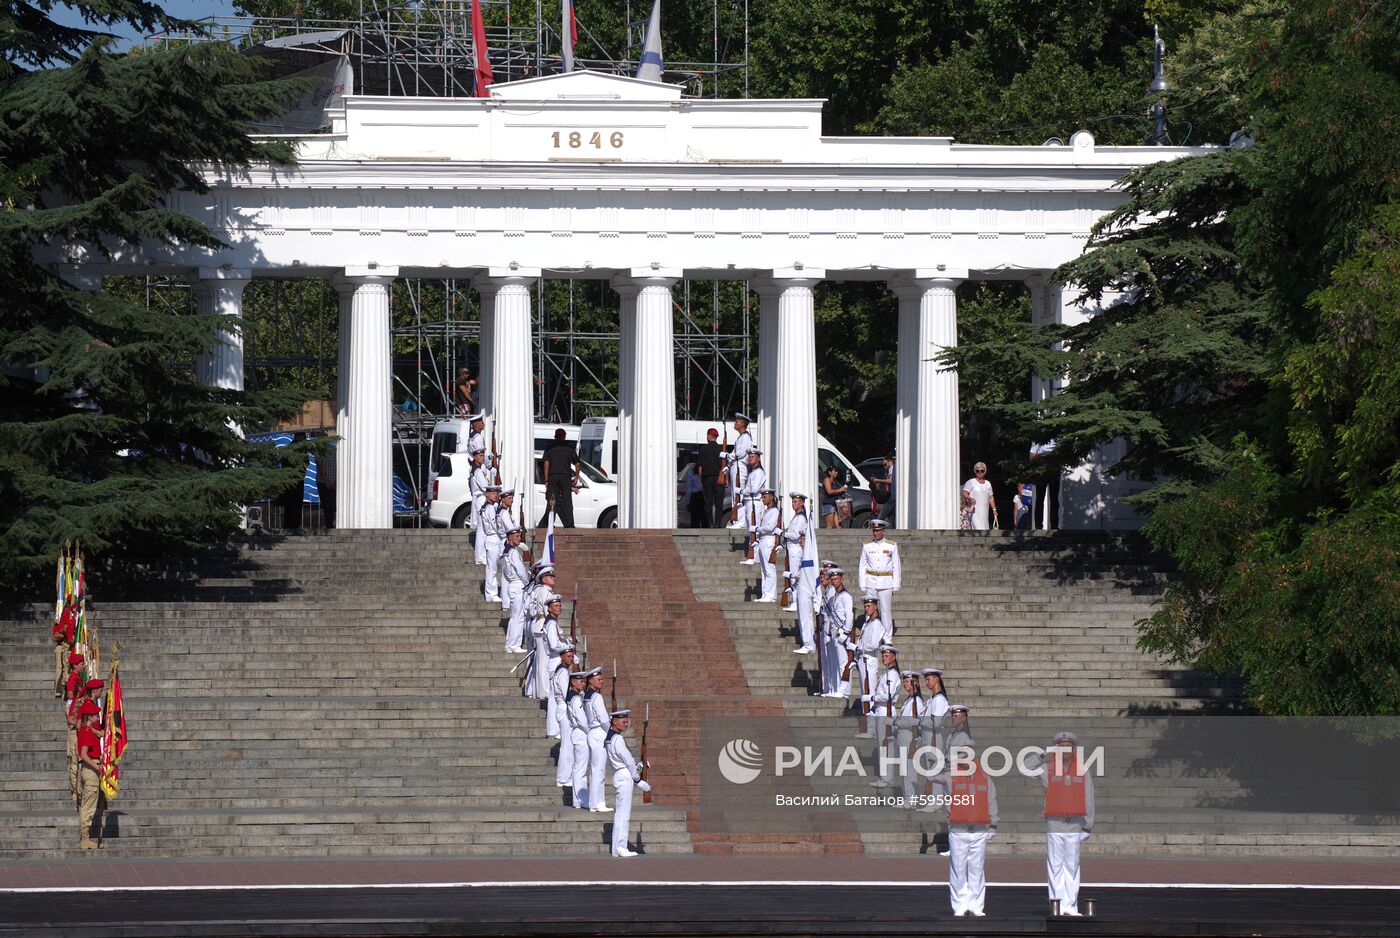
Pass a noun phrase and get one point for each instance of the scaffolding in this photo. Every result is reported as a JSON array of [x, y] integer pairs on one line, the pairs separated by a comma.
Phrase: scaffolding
[[424, 49]]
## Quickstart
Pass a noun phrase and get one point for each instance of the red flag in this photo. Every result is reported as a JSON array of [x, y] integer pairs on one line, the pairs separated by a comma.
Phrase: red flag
[[114, 739], [483, 58]]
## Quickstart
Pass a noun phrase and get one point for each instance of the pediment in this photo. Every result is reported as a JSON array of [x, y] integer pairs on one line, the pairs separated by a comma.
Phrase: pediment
[[584, 85]]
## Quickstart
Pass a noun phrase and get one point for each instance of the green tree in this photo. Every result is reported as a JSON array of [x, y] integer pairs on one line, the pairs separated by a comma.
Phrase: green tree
[[105, 436]]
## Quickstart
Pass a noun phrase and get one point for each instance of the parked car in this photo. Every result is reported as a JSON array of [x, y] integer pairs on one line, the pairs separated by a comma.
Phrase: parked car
[[595, 503]]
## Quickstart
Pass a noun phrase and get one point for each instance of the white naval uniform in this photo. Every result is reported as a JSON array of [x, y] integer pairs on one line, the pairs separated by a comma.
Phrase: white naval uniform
[[480, 478], [578, 740], [750, 501], [476, 441], [883, 704], [935, 710], [496, 520], [967, 859], [1063, 839], [516, 576], [802, 569], [872, 635], [564, 768], [625, 775], [880, 571], [767, 535], [548, 647], [907, 723], [738, 471], [837, 618], [598, 726]]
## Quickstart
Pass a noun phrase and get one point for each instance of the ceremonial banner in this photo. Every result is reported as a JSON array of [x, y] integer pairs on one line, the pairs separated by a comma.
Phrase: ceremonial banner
[[114, 739], [484, 76]]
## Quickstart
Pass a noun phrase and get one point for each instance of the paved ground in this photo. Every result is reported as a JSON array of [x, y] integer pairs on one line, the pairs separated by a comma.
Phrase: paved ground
[[700, 895]]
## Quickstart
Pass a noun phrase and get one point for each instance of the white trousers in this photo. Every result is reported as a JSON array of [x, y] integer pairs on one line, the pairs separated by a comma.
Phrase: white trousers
[[597, 759], [564, 768], [886, 598], [767, 572], [477, 504], [515, 630], [622, 809], [967, 862], [493, 562], [1062, 869], [882, 725], [913, 781], [579, 765], [833, 660], [540, 665], [806, 614]]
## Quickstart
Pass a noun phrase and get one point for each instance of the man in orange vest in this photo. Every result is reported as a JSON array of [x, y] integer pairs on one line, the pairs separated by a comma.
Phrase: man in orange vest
[[972, 821], [1069, 817]]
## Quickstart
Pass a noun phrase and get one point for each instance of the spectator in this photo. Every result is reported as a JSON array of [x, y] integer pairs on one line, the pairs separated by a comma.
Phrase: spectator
[[1024, 501], [464, 392], [695, 502], [290, 499], [711, 468], [325, 484], [832, 489], [560, 479], [882, 492], [968, 506], [984, 502]]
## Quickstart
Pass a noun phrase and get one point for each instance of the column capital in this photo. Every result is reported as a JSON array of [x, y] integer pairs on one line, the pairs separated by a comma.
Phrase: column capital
[[910, 287], [652, 276], [223, 273], [512, 272], [368, 272]]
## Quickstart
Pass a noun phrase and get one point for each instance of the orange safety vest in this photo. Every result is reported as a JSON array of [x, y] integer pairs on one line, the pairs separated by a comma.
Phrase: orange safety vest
[[1064, 795], [970, 799]]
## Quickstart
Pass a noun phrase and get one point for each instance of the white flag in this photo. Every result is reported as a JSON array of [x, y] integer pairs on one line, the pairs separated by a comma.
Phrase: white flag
[[650, 66]]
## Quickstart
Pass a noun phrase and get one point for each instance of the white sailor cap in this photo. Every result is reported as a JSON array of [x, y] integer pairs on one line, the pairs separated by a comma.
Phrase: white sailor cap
[[514, 529], [828, 564], [553, 598], [579, 675], [910, 674], [742, 416], [507, 493], [478, 449], [472, 418], [568, 646], [755, 452], [927, 671], [959, 708], [879, 525], [767, 492], [493, 488], [1064, 736], [836, 571], [594, 672], [888, 649], [545, 570], [869, 597], [800, 495], [619, 714]]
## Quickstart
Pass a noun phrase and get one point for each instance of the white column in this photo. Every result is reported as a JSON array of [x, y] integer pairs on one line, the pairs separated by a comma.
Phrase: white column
[[927, 429], [219, 292], [649, 403], [1045, 299], [364, 462], [486, 347], [792, 463], [769, 366], [511, 392], [626, 378], [345, 294]]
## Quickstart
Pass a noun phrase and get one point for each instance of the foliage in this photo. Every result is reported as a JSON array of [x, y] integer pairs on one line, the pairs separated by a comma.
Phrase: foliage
[[105, 435]]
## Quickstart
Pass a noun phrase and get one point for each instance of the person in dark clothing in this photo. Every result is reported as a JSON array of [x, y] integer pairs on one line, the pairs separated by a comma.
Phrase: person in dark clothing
[[325, 484], [710, 464], [291, 498], [560, 479]]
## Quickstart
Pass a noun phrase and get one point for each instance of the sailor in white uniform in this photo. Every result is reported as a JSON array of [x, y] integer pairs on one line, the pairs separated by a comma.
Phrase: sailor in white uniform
[[578, 738], [493, 527], [598, 724], [801, 547], [476, 440], [908, 724], [881, 703], [505, 520], [838, 619], [516, 576], [738, 457], [559, 688], [1069, 817], [626, 775], [867, 648], [477, 483], [549, 643], [880, 572], [769, 527], [972, 822], [750, 494], [535, 601]]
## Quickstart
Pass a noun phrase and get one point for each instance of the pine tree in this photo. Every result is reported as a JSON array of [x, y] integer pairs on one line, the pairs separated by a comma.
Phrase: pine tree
[[105, 436]]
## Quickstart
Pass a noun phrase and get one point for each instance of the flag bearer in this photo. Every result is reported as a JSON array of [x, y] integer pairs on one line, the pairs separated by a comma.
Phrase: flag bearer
[[89, 771], [625, 775]]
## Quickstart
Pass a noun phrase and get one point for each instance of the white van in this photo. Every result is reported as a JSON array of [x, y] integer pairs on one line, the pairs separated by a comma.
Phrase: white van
[[598, 445], [595, 505]]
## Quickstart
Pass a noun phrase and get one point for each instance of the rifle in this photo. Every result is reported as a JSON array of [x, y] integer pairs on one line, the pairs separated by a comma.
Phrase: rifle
[[573, 617], [865, 707], [584, 665], [773, 554], [821, 626], [529, 554], [646, 766], [495, 457], [614, 687]]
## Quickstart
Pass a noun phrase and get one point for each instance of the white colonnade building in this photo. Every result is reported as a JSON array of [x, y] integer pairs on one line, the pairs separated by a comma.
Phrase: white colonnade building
[[592, 175]]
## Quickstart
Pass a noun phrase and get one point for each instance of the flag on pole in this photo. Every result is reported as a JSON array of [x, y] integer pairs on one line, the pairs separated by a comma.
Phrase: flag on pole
[[548, 554], [569, 33], [484, 77], [649, 68], [114, 739]]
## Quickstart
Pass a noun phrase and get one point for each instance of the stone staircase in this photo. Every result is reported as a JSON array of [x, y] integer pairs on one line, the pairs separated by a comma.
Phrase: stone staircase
[[342, 694], [1035, 633]]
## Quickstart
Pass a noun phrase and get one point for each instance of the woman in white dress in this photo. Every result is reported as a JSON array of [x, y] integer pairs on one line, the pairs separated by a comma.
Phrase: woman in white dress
[[981, 491]]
